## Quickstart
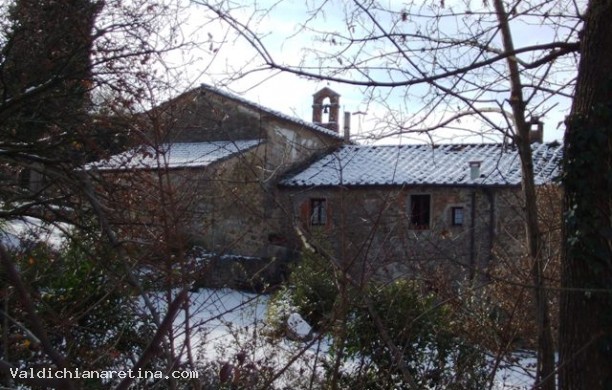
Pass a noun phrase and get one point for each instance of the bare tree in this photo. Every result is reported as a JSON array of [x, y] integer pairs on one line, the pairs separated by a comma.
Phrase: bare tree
[[454, 66], [73, 76]]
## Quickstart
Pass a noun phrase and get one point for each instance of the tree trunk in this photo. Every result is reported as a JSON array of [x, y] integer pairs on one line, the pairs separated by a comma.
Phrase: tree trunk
[[586, 298], [545, 371]]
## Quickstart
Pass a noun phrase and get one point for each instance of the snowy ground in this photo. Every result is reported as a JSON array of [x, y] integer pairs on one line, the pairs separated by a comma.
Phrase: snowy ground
[[15, 233], [227, 329], [230, 325]]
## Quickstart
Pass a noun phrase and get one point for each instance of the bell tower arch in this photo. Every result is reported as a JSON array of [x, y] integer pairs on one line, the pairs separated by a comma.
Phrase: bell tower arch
[[326, 108]]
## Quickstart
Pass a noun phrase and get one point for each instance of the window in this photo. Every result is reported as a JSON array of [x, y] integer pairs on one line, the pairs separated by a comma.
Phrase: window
[[420, 211], [318, 212], [457, 216]]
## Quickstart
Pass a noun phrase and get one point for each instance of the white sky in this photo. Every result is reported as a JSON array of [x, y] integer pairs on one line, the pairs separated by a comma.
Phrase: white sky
[[293, 95]]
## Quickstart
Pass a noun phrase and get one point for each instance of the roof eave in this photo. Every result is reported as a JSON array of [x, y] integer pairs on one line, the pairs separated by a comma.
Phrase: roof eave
[[398, 186]]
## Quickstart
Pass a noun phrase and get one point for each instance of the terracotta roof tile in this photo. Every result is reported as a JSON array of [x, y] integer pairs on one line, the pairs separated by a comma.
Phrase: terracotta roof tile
[[355, 165]]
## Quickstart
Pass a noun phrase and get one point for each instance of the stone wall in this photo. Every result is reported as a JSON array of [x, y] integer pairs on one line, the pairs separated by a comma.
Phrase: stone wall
[[230, 207], [370, 229], [248, 217]]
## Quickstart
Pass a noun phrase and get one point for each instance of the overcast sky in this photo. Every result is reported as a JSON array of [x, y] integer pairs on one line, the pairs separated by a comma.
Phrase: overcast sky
[[231, 55], [280, 91]]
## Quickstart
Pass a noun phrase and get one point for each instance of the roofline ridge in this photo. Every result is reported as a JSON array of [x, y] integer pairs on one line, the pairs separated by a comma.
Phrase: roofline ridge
[[260, 107]]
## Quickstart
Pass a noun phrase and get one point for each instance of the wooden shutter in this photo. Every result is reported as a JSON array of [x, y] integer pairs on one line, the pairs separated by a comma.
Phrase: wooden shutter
[[305, 213]]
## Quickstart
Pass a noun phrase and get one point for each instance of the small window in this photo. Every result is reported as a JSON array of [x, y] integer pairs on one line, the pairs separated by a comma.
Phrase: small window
[[318, 212], [457, 216], [420, 211]]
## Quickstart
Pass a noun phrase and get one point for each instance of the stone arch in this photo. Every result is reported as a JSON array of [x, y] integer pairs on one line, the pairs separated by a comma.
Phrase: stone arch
[[326, 101]]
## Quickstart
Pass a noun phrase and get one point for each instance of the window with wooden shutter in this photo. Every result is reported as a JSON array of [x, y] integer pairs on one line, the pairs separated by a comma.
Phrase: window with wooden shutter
[[318, 212], [315, 212]]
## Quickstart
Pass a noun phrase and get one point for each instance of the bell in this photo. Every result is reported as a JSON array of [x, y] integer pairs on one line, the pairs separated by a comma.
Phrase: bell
[[326, 109]]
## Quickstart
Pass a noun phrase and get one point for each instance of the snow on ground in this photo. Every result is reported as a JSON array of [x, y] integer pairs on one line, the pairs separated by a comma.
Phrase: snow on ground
[[229, 325], [14, 233], [517, 374]]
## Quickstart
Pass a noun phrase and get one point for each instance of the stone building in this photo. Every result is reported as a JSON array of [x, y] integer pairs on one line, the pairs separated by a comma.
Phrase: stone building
[[206, 171], [243, 180], [392, 211]]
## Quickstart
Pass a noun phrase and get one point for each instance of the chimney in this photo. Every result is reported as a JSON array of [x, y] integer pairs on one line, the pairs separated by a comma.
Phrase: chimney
[[474, 170], [536, 130], [347, 127], [326, 101]]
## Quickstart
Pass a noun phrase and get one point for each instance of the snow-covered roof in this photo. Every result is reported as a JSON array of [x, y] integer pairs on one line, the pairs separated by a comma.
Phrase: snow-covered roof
[[396, 165], [278, 114], [175, 155]]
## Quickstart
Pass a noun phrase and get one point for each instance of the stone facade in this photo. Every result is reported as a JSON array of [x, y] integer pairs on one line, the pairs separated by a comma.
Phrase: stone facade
[[242, 205], [371, 229], [417, 210], [230, 206]]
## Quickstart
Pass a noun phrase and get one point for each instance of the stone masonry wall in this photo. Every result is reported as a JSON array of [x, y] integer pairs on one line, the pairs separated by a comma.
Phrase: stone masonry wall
[[231, 207], [370, 229]]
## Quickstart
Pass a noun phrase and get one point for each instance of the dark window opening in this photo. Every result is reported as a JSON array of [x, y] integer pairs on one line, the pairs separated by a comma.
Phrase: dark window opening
[[24, 178], [457, 216], [420, 211], [318, 212]]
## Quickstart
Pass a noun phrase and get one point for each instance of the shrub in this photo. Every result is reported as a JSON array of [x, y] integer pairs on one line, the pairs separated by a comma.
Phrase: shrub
[[420, 328], [413, 321], [86, 310], [313, 290], [279, 308]]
